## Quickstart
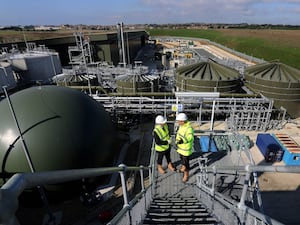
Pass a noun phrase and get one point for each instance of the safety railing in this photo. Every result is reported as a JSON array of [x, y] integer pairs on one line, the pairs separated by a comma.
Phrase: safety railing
[[134, 212], [13, 188], [226, 209]]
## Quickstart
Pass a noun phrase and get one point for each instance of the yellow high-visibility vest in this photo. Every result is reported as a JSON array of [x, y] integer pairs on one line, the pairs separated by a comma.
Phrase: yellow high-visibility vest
[[163, 134], [186, 133]]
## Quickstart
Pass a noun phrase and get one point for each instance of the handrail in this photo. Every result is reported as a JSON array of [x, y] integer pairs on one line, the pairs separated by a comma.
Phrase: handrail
[[230, 204], [253, 168], [128, 207], [240, 208], [19, 182], [11, 190]]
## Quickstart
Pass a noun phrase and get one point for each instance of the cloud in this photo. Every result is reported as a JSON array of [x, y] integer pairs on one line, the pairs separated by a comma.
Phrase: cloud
[[233, 11], [151, 11]]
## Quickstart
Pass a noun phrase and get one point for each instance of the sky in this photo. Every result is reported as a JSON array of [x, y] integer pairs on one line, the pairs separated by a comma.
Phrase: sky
[[111, 12]]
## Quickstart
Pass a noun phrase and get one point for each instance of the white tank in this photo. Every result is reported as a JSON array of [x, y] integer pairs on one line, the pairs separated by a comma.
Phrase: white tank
[[36, 66], [6, 76]]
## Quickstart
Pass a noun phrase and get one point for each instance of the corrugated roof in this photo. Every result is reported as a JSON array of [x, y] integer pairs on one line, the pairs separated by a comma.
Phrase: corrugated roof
[[136, 78], [274, 71], [210, 70]]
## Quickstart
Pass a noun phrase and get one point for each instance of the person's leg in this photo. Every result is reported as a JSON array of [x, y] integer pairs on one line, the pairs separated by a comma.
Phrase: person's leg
[[159, 162], [169, 161], [186, 163], [182, 168]]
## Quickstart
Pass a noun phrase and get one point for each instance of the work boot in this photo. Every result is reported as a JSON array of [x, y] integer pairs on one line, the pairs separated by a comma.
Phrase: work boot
[[182, 168], [171, 167], [160, 169], [185, 176]]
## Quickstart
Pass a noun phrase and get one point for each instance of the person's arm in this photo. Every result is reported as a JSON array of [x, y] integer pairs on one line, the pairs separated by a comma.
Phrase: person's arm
[[158, 140], [190, 135]]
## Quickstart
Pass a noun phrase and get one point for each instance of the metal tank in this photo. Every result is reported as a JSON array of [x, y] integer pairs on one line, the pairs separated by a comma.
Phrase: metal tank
[[137, 83], [165, 61], [6, 76], [277, 81], [207, 77], [62, 129], [36, 66]]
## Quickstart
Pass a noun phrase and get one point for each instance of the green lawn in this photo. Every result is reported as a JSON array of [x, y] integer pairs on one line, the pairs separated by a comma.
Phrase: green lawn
[[264, 47]]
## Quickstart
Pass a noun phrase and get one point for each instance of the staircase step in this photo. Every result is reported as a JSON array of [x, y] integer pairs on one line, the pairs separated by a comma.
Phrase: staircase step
[[174, 203], [177, 214], [176, 198], [207, 221], [177, 210]]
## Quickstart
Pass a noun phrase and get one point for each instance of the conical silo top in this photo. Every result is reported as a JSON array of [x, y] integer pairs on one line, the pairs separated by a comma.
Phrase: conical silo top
[[136, 78], [274, 71], [210, 71]]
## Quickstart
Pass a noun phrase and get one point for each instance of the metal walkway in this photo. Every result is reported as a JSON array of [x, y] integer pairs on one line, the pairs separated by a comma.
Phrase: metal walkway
[[174, 202], [170, 184], [245, 113]]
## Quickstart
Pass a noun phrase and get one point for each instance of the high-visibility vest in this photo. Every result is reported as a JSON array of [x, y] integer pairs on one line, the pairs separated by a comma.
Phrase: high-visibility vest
[[186, 133], [163, 134]]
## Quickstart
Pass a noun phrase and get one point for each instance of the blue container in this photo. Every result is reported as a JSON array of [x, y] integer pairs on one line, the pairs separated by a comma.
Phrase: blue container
[[269, 147], [207, 144], [291, 156]]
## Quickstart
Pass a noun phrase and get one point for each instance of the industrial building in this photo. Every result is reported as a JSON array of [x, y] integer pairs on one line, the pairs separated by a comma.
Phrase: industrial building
[[81, 134]]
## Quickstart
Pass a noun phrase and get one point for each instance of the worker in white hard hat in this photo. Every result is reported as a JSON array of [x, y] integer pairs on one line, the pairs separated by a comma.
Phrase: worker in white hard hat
[[184, 142], [162, 143]]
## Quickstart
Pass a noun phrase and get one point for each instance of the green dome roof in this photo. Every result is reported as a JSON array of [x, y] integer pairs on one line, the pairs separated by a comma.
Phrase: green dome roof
[[277, 81], [207, 76], [274, 71]]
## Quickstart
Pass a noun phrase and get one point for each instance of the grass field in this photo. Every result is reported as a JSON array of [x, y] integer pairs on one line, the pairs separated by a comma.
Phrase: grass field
[[282, 45]]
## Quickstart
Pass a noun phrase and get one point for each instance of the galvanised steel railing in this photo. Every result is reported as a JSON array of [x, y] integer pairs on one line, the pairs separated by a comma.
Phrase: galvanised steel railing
[[226, 209], [133, 212], [13, 188]]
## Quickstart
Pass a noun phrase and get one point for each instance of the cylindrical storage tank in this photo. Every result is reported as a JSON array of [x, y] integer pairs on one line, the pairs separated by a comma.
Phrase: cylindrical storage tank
[[66, 129], [40, 66], [207, 77], [277, 81], [137, 83], [6, 76], [165, 61], [70, 78]]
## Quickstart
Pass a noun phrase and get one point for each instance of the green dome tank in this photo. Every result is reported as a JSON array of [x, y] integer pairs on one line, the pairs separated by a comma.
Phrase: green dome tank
[[137, 83], [277, 81], [207, 77], [62, 129]]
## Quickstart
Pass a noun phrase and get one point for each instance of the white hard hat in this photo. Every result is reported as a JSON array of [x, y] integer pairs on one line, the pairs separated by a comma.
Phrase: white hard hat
[[181, 117], [160, 120]]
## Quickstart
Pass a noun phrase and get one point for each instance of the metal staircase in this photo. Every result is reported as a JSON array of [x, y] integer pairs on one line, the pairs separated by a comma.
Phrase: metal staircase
[[216, 193], [178, 210]]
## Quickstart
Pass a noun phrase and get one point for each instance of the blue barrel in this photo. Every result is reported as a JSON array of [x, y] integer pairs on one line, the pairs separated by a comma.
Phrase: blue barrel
[[207, 144]]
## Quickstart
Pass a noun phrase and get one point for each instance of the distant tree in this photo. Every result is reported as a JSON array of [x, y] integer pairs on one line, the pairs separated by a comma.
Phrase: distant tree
[[29, 27], [16, 28]]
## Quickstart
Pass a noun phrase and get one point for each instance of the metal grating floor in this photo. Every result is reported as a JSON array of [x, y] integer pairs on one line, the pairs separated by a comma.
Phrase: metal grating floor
[[170, 184]]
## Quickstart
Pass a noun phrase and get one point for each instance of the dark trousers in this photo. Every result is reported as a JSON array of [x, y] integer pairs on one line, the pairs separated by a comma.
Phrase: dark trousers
[[160, 156], [185, 160]]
